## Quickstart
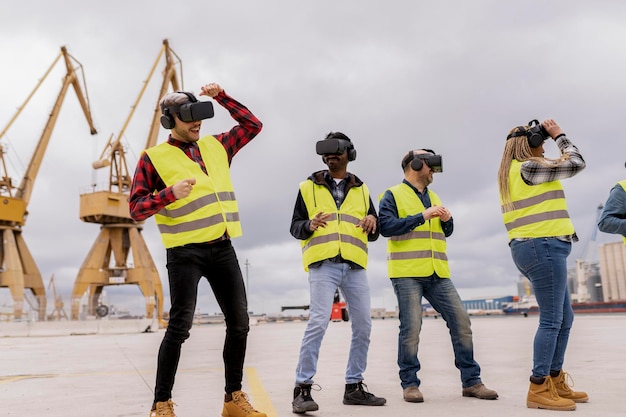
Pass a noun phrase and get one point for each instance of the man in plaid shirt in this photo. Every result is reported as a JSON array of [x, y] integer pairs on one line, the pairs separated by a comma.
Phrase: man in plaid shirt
[[185, 183]]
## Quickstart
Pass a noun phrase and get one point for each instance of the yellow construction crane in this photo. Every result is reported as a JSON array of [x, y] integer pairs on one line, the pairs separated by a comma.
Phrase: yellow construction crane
[[18, 270], [120, 236], [59, 312]]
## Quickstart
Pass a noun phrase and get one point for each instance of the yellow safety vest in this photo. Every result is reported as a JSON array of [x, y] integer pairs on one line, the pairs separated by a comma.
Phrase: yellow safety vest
[[623, 185], [538, 210], [422, 251], [210, 210], [340, 236]]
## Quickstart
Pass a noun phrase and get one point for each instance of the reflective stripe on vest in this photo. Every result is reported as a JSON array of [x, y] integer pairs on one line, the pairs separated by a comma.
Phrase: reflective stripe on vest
[[340, 236], [623, 184], [538, 210], [422, 251], [210, 210]]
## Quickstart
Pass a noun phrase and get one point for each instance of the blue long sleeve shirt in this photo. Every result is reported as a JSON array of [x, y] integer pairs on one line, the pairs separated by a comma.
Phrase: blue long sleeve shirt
[[392, 225], [613, 216]]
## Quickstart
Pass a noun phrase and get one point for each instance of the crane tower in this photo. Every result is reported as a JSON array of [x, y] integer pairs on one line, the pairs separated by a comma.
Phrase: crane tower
[[107, 262], [18, 270]]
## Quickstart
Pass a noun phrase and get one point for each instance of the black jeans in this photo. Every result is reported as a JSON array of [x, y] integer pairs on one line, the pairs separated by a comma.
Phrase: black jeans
[[186, 265]]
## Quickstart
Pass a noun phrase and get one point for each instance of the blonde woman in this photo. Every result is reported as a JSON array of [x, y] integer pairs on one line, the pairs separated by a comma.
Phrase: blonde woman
[[540, 235]]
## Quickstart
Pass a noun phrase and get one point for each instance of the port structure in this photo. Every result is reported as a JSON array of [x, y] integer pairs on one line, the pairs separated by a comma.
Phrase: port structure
[[120, 237], [18, 269]]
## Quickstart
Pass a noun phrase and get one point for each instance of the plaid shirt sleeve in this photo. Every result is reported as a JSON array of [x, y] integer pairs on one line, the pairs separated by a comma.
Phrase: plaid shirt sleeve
[[241, 134], [148, 192], [535, 173]]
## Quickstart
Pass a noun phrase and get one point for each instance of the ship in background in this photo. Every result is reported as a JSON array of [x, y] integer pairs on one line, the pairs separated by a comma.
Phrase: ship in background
[[520, 305]]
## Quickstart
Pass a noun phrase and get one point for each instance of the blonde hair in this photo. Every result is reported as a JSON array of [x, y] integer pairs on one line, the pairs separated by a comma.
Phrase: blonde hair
[[518, 148]]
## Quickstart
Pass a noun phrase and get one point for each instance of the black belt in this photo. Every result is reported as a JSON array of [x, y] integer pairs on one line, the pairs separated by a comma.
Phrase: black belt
[[337, 259], [219, 239]]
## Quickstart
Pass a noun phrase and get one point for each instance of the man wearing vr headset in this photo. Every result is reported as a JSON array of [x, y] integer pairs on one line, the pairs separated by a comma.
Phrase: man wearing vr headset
[[417, 225], [540, 234], [613, 216], [185, 182], [334, 218]]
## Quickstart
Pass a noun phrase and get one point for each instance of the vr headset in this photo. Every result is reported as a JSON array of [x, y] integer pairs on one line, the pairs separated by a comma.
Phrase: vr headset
[[191, 111], [335, 146], [536, 134], [417, 161]]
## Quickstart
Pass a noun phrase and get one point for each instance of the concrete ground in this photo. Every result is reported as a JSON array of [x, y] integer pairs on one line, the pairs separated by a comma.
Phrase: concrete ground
[[107, 375]]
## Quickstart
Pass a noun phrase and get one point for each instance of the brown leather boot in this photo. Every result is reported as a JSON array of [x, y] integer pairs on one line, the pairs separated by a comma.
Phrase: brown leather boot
[[564, 390], [545, 396]]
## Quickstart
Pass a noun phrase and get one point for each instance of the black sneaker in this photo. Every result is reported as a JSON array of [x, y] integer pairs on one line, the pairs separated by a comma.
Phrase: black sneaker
[[302, 400], [356, 394]]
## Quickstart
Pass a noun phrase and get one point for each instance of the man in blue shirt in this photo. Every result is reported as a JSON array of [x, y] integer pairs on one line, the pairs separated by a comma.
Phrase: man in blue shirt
[[613, 216], [417, 225]]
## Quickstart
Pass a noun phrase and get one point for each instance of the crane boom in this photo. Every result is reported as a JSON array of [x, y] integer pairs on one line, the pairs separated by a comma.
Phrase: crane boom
[[19, 270], [23, 193], [32, 93], [168, 78]]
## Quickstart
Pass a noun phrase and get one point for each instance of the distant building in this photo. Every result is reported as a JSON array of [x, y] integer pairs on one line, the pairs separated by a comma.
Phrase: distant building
[[613, 270], [524, 289], [594, 284]]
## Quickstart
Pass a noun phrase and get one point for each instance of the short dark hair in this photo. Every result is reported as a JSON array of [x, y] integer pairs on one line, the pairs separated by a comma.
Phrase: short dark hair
[[337, 135]]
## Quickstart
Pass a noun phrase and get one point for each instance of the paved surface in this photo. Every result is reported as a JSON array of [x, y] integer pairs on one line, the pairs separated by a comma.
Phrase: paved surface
[[113, 374]]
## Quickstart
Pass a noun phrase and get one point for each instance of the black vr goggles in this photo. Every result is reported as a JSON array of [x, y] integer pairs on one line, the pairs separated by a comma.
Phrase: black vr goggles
[[417, 160], [191, 111], [536, 134], [335, 146]]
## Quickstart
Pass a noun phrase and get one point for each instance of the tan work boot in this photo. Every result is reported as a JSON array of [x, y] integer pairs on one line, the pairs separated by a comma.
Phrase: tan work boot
[[480, 391], [545, 396], [564, 390], [412, 394], [163, 409], [239, 406]]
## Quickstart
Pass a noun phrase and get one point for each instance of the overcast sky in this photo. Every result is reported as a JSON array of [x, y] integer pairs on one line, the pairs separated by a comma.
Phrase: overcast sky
[[452, 76]]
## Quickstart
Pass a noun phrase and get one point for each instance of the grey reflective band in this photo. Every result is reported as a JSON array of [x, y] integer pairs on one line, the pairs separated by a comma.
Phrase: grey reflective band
[[198, 224], [348, 219], [528, 202], [420, 254], [419, 235], [320, 240], [196, 204], [354, 241], [536, 218]]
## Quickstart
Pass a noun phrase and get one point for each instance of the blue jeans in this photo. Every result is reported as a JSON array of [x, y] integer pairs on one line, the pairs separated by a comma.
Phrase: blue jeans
[[324, 281], [186, 265], [442, 295], [544, 262]]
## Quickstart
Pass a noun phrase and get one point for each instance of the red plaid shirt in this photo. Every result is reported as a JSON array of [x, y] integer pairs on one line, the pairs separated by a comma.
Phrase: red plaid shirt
[[144, 202]]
